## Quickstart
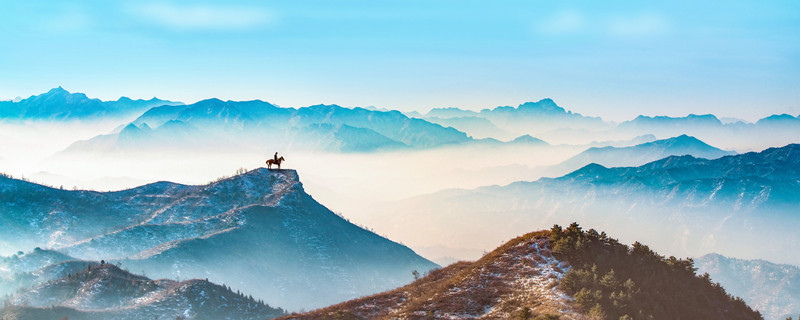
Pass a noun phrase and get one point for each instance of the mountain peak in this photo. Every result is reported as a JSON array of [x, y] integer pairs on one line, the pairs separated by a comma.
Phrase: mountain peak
[[687, 144], [58, 90], [60, 95], [546, 105], [211, 100], [529, 140], [592, 170], [683, 140]]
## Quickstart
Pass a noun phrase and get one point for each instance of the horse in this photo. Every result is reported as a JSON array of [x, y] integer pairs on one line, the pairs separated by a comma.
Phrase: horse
[[270, 162]]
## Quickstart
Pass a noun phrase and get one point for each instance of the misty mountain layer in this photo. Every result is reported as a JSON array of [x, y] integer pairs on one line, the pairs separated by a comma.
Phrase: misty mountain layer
[[258, 232], [215, 124], [104, 291], [681, 204], [773, 289]]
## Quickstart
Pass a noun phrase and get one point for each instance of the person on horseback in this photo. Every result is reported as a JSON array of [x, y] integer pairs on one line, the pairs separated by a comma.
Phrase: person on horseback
[[276, 161]]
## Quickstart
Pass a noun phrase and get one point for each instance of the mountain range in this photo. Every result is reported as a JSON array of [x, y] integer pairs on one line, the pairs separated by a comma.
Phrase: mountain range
[[680, 204], [258, 232], [61, 105], [241, 125], [639, 154], [245, 124], [774, 130], [548, 121], [506, 122], [773, 289]]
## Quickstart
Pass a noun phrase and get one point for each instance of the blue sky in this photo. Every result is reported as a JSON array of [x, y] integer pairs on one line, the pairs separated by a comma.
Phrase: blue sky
[[614, 59]]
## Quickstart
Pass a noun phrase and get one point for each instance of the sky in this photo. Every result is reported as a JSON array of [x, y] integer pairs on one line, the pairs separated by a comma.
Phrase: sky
[[615, 59]]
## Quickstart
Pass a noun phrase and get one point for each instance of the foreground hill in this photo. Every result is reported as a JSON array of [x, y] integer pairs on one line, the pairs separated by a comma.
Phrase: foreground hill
[[258, 232], [105, 291], [774, 289], [680, 204], [555, 274]]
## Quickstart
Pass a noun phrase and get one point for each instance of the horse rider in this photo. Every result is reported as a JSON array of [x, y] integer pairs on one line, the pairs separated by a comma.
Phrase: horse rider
[[275, 157]]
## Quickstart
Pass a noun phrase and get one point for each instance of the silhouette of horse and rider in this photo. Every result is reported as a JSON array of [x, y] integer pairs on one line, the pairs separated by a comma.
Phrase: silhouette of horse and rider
[[276, 161]]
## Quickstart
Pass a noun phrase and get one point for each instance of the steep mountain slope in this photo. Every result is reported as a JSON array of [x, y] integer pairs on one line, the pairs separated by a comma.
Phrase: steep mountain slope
[[774, 289], [639, 154], [246, 124], [680, 204], [59, 105], [104, 291], [259, 232], [556, 274]]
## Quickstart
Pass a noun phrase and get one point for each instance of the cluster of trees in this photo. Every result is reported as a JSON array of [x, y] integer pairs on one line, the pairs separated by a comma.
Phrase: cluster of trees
[[610, 280]]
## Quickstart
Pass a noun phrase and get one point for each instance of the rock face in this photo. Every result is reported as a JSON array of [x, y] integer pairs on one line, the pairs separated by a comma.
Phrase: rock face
[[258, 232], [104, 291]]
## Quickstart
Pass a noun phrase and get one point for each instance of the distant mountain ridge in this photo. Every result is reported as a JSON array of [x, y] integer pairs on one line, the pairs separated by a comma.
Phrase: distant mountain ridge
[[245, 124], [61, 105], [547, 120], [640, 154], [242, 124], [260, 220], [774, 130], [506, 122], [680, 204], [773, 289]]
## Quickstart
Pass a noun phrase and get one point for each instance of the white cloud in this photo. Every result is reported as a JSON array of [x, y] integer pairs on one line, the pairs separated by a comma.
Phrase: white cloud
[[564, 22], [571, 22], [645, 24], [203, 17]]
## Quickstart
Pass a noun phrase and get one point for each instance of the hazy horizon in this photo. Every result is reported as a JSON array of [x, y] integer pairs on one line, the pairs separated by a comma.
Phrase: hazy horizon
[[610, 59]]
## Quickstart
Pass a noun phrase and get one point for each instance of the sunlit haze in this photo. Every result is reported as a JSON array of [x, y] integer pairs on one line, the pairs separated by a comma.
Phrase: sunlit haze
[[612, 59]]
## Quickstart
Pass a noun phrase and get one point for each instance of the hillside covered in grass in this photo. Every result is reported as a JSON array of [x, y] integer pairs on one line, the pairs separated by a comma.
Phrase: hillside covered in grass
[[553, 274]]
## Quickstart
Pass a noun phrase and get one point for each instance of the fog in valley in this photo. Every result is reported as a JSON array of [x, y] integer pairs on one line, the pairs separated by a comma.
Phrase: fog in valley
[[396, 193]]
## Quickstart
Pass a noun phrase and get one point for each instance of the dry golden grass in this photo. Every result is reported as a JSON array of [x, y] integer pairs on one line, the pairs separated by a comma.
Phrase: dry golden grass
[[497, 286]]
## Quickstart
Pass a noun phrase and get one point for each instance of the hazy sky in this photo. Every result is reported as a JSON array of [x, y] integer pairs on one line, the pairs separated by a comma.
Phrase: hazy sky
[[615, 59]]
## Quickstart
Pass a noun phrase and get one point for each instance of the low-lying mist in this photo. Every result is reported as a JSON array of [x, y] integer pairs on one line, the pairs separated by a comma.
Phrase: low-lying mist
[[367, 188]]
